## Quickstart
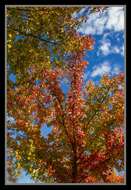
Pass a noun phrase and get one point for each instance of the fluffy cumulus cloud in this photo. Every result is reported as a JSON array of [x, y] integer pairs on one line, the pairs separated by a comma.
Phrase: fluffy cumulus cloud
[[107, 48], [105, 68], [101, 69], [116, 70], [97, 23], [115, 19]]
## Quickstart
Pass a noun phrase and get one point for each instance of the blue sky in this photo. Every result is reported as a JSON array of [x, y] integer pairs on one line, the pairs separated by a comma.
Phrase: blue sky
[[24, 178], [107, 57]]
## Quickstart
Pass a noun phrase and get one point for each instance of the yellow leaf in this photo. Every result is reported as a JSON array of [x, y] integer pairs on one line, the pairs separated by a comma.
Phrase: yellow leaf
[[9, 46], [18, 166], [10, 35], [30, 169], [29, 154]]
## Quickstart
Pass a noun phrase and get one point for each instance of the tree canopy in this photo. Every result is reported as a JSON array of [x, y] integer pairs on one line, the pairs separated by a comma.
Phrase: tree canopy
[[86, 141]]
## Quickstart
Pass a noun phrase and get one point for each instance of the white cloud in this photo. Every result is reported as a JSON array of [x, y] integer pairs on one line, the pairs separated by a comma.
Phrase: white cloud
[[116, 49], [94, 25], [106, 48], [97, 23], [122, 50], [119, 50], [115, 19], [105, 68], [102, 69], [116, 70]]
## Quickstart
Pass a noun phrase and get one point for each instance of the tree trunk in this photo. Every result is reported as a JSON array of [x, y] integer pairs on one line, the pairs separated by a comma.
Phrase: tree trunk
[[74, 168]]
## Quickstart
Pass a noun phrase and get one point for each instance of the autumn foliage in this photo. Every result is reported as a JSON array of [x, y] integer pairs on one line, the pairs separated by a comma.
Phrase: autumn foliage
[[86, 141]]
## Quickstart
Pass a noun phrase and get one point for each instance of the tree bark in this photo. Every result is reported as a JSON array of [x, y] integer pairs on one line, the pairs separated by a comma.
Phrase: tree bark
[[74, 166]]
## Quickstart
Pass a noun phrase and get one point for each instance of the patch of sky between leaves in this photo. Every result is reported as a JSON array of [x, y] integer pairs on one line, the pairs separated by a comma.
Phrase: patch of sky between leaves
[[14, 133], [12, 77], [25, 178], [19, 37], [37, 82], [45, 130], [65, 85]]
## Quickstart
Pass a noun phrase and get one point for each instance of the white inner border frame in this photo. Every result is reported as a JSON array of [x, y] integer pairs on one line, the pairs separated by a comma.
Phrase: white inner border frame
[[15, 6]]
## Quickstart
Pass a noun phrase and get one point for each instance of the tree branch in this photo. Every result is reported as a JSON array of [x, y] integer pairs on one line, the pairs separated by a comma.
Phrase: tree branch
[[35, 36], [96, 111]]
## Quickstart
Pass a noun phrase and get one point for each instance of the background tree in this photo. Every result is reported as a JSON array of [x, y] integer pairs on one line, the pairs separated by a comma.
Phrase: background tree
[[86, 141]]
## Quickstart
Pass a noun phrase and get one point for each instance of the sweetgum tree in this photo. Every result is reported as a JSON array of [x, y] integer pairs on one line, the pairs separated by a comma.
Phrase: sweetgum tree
[[86, 142]]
